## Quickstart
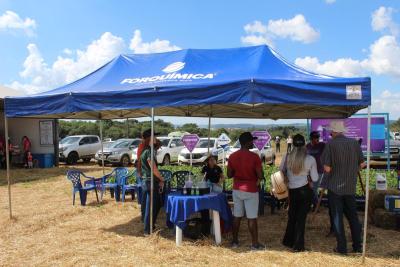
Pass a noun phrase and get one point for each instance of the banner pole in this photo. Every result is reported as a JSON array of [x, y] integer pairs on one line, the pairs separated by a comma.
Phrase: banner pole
[[8, 163], [367, 185]]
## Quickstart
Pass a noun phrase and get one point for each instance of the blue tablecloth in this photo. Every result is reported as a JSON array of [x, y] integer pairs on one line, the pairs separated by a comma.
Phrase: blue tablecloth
[[179, 207]]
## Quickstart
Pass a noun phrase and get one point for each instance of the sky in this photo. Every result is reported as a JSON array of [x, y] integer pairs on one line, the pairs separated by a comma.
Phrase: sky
[[46, 44]]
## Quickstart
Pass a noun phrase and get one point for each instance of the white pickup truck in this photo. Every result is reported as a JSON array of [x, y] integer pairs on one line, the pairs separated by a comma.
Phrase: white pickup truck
[[73, 148]]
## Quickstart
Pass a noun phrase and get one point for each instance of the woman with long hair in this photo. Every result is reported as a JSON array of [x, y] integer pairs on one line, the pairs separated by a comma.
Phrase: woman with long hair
[[301, 170]]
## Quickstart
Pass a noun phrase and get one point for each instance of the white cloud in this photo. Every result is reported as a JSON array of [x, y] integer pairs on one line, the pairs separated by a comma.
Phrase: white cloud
[[39, 76], [384, 57], [330, 1], [139, 47], [382, 19], [11, 21], [387, 101], [343, 67], [296, 29]]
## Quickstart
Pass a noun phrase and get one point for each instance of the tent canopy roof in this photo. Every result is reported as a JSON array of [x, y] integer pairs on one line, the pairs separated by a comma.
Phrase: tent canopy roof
[[250, 82]]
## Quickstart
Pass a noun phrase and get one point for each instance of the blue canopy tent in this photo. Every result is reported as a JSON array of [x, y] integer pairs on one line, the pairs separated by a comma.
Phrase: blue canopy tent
[[249, 82]]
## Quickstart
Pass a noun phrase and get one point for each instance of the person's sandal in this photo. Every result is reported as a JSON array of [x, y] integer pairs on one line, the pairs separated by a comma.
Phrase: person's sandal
[[258, 247], [234, 244]]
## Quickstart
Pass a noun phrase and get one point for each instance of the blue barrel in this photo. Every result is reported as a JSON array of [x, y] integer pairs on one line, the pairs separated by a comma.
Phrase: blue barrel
[[44, 160]]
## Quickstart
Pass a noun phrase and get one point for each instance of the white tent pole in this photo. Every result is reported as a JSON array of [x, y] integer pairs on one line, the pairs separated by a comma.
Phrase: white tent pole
[[152, 171], [367, 184], [127, 127], [8, 163], [102, 147]]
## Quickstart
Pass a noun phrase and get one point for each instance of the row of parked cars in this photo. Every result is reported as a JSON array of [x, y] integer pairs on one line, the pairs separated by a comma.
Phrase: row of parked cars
[[123, 151]]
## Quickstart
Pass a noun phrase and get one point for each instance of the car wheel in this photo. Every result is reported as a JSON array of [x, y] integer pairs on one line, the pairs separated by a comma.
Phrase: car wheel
[[72, 158], [166, 160], [125, 161]]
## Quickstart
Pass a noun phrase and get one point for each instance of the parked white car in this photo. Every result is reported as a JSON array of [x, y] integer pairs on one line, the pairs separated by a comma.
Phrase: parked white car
[[169, 151], [119, 152], [200, 153], [73, 148], [267, 155]]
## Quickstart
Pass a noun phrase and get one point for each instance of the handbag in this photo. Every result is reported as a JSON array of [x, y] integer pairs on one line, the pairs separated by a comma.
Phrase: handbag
[[279, 182]]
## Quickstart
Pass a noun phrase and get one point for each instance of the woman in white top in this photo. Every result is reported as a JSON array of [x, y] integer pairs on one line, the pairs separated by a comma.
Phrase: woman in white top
[[300, 168]]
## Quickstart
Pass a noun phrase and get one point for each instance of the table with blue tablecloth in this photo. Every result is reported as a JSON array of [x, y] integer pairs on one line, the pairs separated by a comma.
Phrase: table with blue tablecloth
[[180, 207]]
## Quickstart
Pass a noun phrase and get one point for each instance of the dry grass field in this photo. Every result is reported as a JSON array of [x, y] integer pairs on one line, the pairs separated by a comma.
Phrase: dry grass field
[[48, 230]]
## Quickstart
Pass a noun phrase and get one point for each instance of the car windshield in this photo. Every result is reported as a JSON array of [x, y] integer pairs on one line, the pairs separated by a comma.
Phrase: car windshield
[[69, 140], [203, 143], [121, 144], [164, 142]]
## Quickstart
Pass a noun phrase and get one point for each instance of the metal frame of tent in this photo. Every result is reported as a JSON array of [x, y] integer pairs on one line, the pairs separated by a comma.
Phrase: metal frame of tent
[[232, 109]]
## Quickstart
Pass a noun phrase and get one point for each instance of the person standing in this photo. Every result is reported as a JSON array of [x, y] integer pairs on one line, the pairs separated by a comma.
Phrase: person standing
[[342, 159], [245, 168], [315, 149], [299, 167], [26, 145], [146, 135], [158, 185], [277, 144], [289, 142]]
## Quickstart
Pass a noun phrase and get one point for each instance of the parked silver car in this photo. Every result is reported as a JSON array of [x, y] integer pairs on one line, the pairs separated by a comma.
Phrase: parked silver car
[[119, 152]]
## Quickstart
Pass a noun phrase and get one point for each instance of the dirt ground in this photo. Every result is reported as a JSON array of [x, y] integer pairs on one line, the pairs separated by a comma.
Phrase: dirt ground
[[48, 230]]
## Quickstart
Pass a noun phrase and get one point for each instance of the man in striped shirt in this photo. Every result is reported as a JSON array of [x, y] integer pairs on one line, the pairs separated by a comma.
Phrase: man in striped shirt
[[342, 159]]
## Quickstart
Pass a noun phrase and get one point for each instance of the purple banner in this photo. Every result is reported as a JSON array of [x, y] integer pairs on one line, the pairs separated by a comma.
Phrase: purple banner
[[190, 141], [356, 128], [263, 138]]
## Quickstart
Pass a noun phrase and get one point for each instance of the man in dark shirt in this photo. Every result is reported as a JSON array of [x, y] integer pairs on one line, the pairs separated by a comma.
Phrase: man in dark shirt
[[315, 149], [342, 159]]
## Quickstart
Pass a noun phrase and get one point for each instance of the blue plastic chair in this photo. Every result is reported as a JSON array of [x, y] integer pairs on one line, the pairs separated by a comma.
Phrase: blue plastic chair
[[125, 186], [75, 177], [118, 174], [167, 175], [179, 178]]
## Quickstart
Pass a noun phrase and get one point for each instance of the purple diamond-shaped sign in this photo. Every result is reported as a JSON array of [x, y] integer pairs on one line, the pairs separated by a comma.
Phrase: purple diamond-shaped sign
[[263, 138], [190, 141]]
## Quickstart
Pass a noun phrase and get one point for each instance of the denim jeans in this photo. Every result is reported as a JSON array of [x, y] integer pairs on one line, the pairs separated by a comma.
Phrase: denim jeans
[[300, 202], [146, 204], [345, 204], [315, 189]]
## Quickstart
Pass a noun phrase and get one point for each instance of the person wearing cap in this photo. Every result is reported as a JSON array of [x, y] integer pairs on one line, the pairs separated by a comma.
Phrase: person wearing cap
[[315, 149], [245, 168], [342, 159], [299, 167], [146, 158]]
